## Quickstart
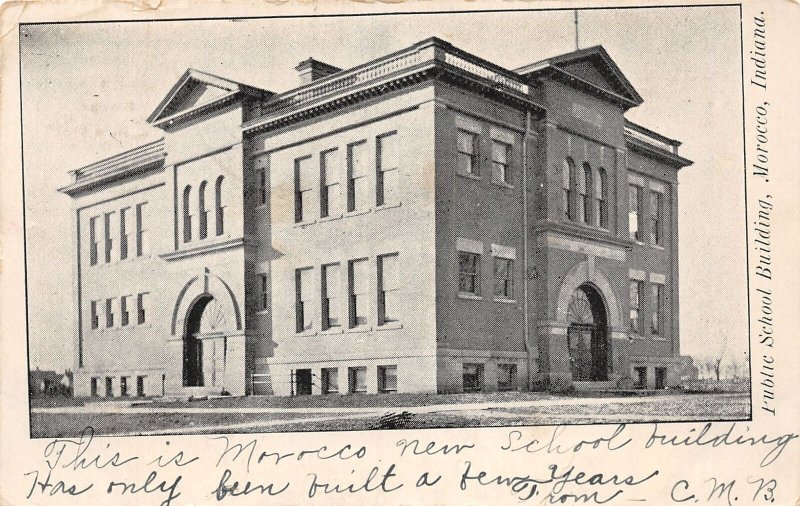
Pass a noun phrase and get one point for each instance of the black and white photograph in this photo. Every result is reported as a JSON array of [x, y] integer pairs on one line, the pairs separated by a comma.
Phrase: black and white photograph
[[404, 221]]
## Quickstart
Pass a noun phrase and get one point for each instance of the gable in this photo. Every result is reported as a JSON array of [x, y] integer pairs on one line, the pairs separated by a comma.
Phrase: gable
[[591, 71], [193, 93]]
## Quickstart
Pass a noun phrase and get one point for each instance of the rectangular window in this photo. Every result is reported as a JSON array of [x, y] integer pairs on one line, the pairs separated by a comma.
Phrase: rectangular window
[[387, 378], [139, 386], [358, 379], [656, 306], [303, 185], [506, 376], [93, 246], [124, 216], [388, 169], [357, 177], [141, 308], [359, 289], [634, 211], [123, 310], [656, 210], [123, 386], [473, 377], [469, 273], [500, 157], [93, 387], [330, 296], [262, 186], [388, 289], [94, 314], [109, 387], [109, 312], [635, 298], [504, 278], [141, 232], [109, 243], [304, 311], [264, 286], [330, 380], [330, 193], [467, 153], [640, 374]]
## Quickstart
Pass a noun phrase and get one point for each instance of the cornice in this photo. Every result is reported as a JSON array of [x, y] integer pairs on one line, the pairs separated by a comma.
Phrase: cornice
[[643, 148]]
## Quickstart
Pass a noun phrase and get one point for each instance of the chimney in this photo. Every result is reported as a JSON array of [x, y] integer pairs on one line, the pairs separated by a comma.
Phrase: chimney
[[311, 70]]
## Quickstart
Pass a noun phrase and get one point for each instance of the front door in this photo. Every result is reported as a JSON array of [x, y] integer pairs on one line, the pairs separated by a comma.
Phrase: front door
[[580, 352], [587, 339]]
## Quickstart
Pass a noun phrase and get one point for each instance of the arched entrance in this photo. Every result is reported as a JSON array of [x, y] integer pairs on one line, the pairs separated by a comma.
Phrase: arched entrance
[[192, 345], [587, 335]]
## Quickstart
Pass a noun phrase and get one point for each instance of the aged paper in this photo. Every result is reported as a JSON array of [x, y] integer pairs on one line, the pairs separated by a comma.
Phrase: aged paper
[[402, 253]]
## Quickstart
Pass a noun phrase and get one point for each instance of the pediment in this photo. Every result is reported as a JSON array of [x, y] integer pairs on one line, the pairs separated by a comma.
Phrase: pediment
[[195, 89]]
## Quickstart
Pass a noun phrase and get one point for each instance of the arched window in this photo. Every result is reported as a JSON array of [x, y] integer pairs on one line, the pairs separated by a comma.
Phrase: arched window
[[568, 180], [220, 206], [601, 195], [586, 194], [203, 213], [187, 216]]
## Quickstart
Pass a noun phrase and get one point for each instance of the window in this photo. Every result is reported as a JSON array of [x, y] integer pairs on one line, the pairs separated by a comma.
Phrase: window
[[602, 198], [187, 214], [357, 377], [304, 310], [124, 215], [109, 387], [139, 386], [123, 386], [388, 289], [141, 233], [359, 288], [473, 377], [109, 312], [506, 376], [330, 380], [469, 273], [264, 291], [303, 184], [262, 186], [634, 211], [641, 377], [202, 213], [141, 308], [108, 218], [567, 180], [93, 246], [635, 298], [656, 306], [95, 316], [387, 181], [585, 190], [656, 210], [504, 278], [93, 387], [123, 310], [467, 153], [220, 207], [500, 168], [330, 194], [330, 296], [357, 172], [387, 378]]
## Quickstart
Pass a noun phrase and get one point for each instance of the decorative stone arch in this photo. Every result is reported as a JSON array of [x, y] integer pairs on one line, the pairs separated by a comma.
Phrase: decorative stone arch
[[580, 274], [211, 285]]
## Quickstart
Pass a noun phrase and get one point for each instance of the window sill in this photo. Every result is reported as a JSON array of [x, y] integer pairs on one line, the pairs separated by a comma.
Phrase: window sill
[[383, 207], [303, 224], [306, 333], [469, 296], [467, 175], [390, 326], [637, 337], [331, 331], [658, 247], [330, 218], [502, 184], [262, 312], [357, 212], [358, 330], [505, 301]]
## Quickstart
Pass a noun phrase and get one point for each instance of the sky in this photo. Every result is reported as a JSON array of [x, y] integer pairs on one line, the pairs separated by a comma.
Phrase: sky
[[87, 89]]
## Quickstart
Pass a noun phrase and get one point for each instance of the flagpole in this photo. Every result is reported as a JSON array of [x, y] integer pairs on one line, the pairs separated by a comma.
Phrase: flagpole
[[577, 46]]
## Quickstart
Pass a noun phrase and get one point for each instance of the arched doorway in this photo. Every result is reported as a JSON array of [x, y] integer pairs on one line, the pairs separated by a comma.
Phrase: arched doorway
[[587, 335]]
